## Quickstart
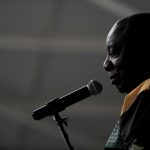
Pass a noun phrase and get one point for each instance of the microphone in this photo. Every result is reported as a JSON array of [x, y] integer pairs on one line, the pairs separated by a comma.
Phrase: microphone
[[59, 104]]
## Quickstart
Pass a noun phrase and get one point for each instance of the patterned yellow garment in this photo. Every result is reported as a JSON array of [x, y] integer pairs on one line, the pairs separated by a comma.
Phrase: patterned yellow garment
[[115, 141], [131, 97]]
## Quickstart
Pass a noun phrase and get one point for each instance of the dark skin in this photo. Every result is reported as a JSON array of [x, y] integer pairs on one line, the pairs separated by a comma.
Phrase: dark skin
[[123, 63]]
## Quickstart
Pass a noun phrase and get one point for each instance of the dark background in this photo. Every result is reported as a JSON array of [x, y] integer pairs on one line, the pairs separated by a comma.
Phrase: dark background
[[49, 48]]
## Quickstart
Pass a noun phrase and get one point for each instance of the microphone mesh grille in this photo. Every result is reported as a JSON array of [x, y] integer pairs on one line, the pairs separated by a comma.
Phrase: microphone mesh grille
[[94, 87]]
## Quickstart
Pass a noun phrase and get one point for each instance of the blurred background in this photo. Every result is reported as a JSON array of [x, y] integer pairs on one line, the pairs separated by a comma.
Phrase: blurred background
[[49, 48]]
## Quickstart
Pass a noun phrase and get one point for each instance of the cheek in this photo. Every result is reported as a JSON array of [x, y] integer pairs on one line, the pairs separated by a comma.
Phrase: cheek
[[122, 62], [122, 69], [117, 62]]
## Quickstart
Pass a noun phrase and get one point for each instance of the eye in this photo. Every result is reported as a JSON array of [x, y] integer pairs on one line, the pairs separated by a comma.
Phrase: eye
[[113, 52]]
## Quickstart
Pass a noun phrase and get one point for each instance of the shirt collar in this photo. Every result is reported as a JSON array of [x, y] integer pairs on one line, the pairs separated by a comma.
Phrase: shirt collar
[[131, 97]]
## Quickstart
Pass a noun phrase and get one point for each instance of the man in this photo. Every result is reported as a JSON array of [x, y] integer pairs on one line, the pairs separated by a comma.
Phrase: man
[[128, 66]]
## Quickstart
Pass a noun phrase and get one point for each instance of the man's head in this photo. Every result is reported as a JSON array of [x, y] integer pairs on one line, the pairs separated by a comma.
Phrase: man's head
[[128, 46]]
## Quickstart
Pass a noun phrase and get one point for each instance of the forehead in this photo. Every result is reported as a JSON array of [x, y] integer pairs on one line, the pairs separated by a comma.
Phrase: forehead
[[114, 36], [112, 31]]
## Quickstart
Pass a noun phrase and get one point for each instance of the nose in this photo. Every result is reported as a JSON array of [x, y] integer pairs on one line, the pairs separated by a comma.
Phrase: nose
[[107, 64]]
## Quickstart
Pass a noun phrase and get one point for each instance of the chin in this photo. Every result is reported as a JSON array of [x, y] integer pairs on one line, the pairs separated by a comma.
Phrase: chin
[[122, 89]]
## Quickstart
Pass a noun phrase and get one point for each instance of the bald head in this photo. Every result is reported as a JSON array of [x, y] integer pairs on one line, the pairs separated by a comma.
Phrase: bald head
[[128, 47], [135, 31]]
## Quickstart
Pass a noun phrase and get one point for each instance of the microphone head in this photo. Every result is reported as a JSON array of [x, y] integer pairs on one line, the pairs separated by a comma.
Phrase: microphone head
[[94, 87]]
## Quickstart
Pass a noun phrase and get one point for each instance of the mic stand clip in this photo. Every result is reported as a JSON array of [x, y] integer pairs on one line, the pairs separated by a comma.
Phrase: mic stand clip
[[60, 122]]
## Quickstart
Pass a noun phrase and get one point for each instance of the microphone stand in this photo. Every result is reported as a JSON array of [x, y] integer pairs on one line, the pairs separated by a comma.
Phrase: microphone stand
[[60, 122]]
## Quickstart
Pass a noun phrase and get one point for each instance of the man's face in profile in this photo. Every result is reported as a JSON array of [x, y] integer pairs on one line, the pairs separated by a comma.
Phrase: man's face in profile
[[119, 62]]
